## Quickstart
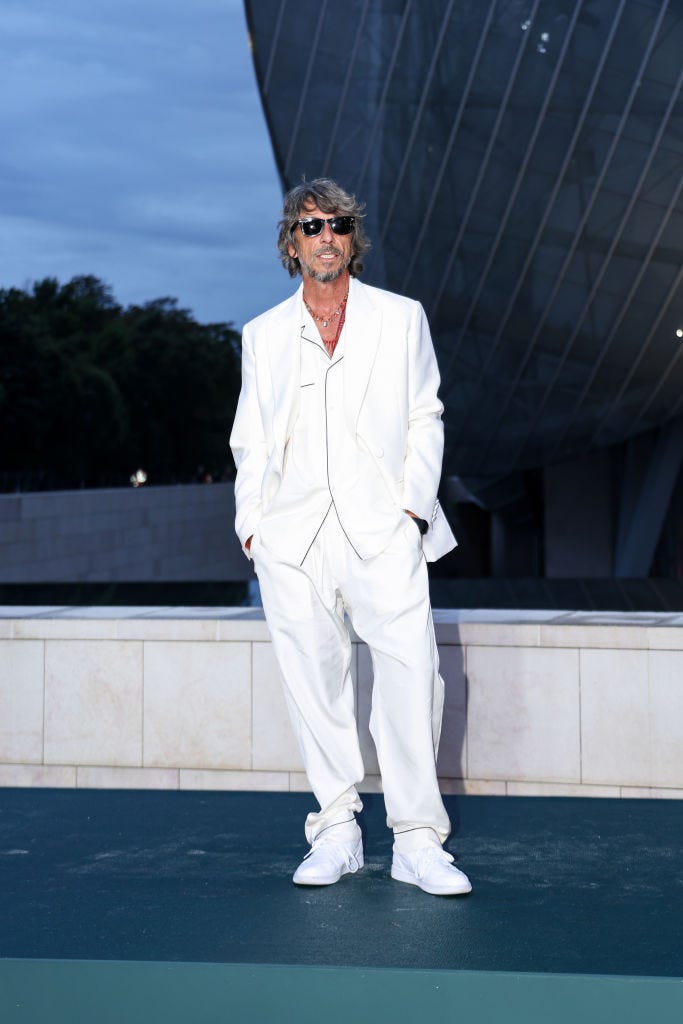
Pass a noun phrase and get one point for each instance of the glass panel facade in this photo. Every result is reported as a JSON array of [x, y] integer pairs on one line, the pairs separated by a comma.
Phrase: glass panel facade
[[522, 165]]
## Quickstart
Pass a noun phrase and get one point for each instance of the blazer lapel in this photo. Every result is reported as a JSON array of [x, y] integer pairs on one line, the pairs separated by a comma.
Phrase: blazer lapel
[[284, 349], [362, 330]]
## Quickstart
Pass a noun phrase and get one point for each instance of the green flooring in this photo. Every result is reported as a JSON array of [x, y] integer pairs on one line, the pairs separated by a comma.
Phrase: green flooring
[[84, 992], [128, 905], [560, 885]]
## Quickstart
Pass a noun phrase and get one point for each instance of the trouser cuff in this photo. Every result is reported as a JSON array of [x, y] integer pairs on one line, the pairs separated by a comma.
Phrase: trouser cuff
[[415, 838], [341, 812]]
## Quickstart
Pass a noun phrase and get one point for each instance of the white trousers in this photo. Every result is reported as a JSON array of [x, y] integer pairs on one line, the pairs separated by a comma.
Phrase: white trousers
[[387, 600]]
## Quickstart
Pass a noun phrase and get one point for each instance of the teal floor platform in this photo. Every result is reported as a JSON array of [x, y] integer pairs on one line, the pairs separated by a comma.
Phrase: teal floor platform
[[111, 992], [125, 897]]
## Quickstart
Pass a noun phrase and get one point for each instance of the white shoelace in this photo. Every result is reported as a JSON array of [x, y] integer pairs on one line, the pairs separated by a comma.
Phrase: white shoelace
[[338, 851]]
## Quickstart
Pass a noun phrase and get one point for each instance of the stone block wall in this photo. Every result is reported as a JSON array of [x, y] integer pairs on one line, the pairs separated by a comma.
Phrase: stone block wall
[[537, 703], [121, 534]]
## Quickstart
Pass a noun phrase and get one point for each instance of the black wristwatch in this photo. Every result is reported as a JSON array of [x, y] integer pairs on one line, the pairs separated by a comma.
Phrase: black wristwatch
[[421, 524]]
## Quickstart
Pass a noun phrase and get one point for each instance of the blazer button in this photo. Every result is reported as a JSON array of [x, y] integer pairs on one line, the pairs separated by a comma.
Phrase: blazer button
[[379, 452]]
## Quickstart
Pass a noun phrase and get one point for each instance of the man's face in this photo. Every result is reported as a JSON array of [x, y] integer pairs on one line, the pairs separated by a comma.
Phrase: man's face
[[323, 257]]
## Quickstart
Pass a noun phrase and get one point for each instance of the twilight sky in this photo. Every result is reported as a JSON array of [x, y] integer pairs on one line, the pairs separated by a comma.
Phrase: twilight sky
[[133, 147]]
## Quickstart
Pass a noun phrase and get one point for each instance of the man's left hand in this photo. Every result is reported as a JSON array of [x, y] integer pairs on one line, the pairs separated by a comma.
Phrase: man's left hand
[[422, 524]]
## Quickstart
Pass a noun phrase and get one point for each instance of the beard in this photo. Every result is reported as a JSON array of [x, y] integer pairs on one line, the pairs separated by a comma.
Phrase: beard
[[323, 276]]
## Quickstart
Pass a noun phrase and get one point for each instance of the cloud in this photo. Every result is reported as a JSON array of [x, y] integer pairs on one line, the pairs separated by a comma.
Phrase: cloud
[[135, 148]]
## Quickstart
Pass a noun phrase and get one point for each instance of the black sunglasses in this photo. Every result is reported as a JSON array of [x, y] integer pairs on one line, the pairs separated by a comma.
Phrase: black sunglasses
[[314, 225]]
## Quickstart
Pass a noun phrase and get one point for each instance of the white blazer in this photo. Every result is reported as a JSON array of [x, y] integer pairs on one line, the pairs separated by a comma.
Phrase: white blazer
[[391, 381]]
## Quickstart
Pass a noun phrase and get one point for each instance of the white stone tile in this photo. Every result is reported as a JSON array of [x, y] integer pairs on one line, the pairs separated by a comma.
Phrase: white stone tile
[[370, 784], [494, 615], [452, 760], [238, 613], [499, 634], [456, 787], [38, 775], [166, 629], [273, 740], [560, 789], [607, 618], [21, 700], [197, 705], [474, 787], [273, 782], [179, 612], [523, 714], [665, 671], [298, 783], [667, 638], [60, 628], [93, 702], [99, 612], [254, 629], [446, 628], [595, 636], [614, 717], [126, 778], [650, 793]]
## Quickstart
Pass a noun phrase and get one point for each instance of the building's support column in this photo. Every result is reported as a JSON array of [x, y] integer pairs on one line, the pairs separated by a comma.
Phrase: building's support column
[[578, 517], [515, 550], [637, 455], [647, 494]]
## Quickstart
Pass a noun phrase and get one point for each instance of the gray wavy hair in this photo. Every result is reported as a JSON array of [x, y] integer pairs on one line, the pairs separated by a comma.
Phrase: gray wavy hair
[[329, 197]]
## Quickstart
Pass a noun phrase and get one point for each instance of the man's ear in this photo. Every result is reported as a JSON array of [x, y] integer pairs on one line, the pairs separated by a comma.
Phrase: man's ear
[[292, 252]]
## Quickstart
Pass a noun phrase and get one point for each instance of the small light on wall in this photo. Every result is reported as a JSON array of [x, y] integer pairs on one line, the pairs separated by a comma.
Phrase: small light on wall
[[679, 332], [139, 478]]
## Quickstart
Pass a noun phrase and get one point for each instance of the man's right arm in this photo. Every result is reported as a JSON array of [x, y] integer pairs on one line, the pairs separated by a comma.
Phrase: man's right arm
[[249, 448]]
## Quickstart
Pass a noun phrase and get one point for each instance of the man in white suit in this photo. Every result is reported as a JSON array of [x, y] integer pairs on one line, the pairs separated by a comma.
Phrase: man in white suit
[[338, 443]]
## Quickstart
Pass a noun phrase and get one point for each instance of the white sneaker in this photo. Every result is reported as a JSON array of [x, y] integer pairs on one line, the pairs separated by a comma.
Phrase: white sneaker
[[432, 869], [328, 859]]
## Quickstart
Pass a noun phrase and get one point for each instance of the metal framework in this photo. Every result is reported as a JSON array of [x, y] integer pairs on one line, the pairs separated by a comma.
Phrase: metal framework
[[571, 249], [550, 204], [571, 111]]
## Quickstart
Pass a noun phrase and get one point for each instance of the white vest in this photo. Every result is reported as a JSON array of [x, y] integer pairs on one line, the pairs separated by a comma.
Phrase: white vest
[[327, 471]]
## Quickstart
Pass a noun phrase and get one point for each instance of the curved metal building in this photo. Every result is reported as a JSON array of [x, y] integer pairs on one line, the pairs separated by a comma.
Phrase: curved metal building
[[522, 166]]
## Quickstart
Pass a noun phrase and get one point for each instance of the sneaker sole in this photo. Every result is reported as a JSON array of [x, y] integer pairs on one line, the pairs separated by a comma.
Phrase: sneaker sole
[[325, 880], [330, 879], [433, 890], [317, 881]]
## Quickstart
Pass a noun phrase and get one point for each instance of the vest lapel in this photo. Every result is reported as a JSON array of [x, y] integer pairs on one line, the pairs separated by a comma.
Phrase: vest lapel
[[284, 355], [362, 330]]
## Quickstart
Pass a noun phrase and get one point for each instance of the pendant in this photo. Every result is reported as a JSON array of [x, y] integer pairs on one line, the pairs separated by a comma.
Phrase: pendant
[[324, 323]]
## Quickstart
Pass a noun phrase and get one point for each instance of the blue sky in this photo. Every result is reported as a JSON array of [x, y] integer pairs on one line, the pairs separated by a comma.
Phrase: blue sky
[[134, 148]]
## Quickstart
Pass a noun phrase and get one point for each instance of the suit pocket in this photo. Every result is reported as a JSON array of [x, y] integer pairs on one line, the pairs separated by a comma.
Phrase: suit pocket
[[414, 532]]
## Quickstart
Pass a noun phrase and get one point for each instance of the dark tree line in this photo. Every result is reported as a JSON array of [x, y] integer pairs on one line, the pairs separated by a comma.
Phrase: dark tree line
[[90, 391]]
